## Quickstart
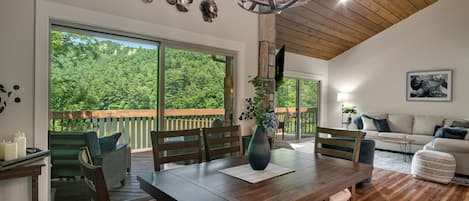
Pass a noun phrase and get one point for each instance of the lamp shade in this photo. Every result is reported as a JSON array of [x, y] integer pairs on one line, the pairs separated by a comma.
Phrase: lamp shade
[[342, 97]]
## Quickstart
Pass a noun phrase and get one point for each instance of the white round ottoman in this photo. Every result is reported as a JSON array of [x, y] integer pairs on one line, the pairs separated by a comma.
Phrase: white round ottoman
[[433, 166]]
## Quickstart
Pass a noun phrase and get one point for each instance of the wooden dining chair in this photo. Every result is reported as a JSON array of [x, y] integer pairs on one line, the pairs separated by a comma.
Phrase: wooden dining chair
[[222, 141], [344, 144], [94, 178], [175, 146]]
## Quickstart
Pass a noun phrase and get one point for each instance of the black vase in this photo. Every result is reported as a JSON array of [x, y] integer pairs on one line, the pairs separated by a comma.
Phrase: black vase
[[259, 149]]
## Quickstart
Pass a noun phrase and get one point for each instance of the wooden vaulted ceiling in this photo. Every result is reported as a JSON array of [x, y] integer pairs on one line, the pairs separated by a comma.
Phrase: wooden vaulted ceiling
[[326, 28]]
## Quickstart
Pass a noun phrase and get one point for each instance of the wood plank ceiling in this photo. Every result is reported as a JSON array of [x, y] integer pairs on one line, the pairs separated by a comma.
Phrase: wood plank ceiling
[[326, 28]]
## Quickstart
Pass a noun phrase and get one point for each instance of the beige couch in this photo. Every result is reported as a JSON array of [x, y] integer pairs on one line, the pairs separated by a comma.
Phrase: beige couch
[[420, 129]]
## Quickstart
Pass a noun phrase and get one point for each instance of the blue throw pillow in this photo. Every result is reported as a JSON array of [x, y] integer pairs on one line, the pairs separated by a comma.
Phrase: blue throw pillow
[[451, 133], [382, 125], [108, 143], [460, 124], [358, 121], [437, 127], [93, 144]]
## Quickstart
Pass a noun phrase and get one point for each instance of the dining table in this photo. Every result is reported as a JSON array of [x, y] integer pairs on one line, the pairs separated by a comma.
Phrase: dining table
[[315, 178]]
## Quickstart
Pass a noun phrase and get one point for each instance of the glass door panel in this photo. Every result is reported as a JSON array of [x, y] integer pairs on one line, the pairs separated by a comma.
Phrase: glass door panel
[[103, 82], [297, 104], [309, 102], [196, 86], [285, 103]]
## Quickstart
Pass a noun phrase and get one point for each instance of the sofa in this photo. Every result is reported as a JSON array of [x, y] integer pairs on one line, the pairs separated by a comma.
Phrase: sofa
[[421, 129]]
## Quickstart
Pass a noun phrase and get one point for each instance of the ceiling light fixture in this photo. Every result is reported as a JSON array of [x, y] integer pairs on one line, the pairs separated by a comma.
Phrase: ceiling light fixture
[[269, 6], [343, 1]]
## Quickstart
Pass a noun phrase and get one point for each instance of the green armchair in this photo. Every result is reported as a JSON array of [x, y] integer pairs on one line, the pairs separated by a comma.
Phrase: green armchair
[[65, 147]]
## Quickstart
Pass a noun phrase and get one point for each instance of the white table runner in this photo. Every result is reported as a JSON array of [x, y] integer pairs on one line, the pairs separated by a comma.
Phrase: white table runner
[[246, 173]]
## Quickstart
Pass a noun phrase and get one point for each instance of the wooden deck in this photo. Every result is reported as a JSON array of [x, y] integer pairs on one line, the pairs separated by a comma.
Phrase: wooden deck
[[386, 186]]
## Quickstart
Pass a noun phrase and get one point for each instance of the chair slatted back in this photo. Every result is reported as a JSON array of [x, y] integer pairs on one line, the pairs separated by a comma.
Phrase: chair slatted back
[[65, 147], [222, 141], [339, 145], [186, 147], [94, 178]]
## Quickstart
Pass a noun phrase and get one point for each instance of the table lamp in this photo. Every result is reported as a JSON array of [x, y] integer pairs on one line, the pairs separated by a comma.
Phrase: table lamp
[[341, 98]]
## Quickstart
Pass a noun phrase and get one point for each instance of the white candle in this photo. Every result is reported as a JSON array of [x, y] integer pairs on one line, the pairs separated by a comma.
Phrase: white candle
[[2, 150], [20, 139], [10, 151]]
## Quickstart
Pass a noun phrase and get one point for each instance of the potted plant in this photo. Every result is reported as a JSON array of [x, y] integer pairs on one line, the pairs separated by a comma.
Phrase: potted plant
[[266, 120], [349, 110]]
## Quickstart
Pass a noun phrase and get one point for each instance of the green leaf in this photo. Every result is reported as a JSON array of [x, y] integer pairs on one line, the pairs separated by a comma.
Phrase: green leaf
[[17, 100], [3, 90], [16, 87], [9, 93], [1, 86]]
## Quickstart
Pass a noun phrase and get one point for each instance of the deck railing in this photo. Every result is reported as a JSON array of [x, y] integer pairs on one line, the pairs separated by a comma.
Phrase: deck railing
[[135, 125], [308, 119]]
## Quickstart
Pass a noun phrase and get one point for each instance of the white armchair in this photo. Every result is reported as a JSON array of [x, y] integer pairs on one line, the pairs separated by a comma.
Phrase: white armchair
[[458, 148]]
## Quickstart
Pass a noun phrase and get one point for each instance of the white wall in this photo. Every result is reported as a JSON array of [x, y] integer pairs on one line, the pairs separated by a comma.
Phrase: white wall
[[17, 67], [24, 60], [303, 67], [374, 72]]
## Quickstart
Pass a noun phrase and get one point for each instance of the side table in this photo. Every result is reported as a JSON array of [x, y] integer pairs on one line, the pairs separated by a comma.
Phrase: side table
[[32, 171]]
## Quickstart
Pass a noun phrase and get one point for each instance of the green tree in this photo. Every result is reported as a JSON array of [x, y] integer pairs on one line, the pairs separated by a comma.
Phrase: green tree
[[90, 73]]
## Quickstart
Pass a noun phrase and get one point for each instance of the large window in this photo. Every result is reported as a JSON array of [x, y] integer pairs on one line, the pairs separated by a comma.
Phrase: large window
[[104, 82], [109, 82]]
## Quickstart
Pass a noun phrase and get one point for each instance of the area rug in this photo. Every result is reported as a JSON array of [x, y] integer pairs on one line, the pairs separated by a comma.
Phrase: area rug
[[383, 159]]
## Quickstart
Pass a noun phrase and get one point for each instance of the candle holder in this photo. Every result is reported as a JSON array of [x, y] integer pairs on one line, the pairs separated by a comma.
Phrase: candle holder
[[32, 155]]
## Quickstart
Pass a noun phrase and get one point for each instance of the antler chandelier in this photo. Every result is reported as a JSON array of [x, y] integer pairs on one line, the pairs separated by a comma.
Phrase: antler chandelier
[[269, 6]]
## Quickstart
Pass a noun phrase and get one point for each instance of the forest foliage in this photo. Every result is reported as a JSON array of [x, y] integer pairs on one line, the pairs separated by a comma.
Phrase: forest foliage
[[286, 94], [91, 73]]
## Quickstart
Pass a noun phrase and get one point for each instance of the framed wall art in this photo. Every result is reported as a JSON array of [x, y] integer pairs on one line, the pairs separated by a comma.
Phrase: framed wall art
[[430, 85]]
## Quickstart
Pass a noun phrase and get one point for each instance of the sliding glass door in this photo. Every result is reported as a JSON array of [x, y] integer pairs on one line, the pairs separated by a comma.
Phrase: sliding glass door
[[103, 82], [111, 82], [297, 103]]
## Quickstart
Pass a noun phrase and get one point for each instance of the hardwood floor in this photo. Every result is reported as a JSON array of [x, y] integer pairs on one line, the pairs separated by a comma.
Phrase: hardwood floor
[[389, 186], [386, 186]]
